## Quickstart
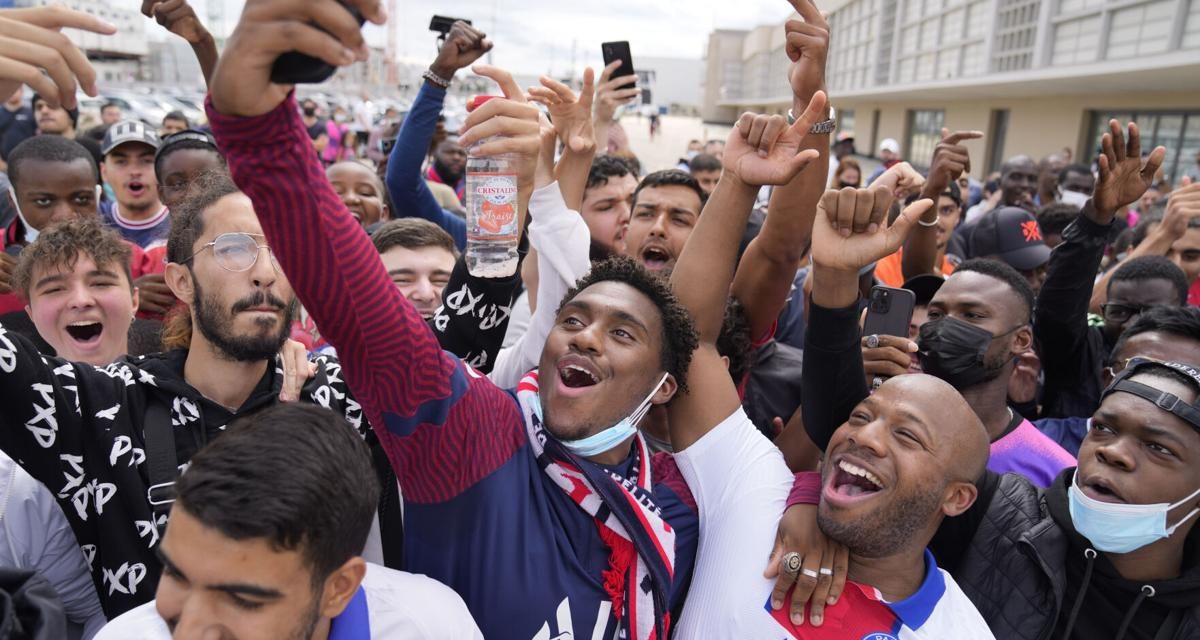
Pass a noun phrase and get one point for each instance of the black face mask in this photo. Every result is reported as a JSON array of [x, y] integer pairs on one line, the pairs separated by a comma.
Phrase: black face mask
[[955, 351], [310, 111]]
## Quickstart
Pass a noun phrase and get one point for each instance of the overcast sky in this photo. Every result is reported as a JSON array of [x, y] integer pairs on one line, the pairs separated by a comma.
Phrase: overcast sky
[[537, 36]]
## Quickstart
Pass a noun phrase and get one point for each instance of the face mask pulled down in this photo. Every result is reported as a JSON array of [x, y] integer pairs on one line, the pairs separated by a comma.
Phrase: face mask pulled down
[[1122, 528], [956, 351], [606, 439]]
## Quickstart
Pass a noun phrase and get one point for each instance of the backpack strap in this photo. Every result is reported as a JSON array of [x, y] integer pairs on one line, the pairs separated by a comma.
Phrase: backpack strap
[[162, 460]]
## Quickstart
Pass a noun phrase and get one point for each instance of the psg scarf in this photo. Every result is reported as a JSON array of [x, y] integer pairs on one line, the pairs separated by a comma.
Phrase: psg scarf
[[641, 542]]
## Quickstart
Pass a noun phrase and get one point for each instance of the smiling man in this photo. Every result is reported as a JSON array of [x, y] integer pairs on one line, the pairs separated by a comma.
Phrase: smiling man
[[419, 256], [128, 167], [76, 279], [666, 207]]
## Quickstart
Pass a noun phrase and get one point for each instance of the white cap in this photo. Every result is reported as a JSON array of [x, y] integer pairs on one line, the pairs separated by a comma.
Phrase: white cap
[[890, 144]]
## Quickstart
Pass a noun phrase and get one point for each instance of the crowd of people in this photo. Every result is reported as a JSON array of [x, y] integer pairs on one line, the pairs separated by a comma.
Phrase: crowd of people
[[251, 388]]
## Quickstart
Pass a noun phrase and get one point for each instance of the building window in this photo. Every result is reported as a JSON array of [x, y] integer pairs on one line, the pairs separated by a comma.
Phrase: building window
[[845, 121], [997, 132], [1177, 131], [924, 131]]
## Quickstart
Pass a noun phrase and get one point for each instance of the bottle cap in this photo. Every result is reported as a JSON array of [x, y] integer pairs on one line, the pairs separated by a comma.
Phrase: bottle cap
[[478, 101]]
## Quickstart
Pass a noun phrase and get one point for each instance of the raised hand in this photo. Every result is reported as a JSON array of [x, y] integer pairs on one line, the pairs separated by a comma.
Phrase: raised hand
[[851, 229], [510, 125], [1124, 177], [324, 29], [807, 48], [178, 17], [572, 116], [764, 150], [8, 264], [1182, 207], [463, 46], [900, 180], [33, 52], [612, 93], [950, 160], [154, 296]]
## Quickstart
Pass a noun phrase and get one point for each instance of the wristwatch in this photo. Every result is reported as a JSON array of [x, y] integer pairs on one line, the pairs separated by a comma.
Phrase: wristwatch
[[825, 126]]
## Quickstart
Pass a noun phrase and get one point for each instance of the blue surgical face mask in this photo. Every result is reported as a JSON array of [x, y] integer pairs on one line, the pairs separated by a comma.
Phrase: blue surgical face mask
[[602, 441], [1121, 528]]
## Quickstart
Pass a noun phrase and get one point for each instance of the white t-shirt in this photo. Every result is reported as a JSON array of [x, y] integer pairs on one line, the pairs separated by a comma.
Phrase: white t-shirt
[[398, 605], [741, 483]]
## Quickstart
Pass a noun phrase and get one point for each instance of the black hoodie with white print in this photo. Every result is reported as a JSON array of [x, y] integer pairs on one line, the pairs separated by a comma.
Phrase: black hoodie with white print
[[78, 430]]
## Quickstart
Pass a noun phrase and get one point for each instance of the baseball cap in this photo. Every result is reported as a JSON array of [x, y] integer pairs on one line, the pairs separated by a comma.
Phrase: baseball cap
[[845, 136], [889, 144], [1012, 235], [924, 286], [953, 192], [128, 131]]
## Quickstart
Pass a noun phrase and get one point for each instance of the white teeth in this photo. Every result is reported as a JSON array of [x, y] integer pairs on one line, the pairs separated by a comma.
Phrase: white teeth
[[83, 323], [572, 367], [855, 470]]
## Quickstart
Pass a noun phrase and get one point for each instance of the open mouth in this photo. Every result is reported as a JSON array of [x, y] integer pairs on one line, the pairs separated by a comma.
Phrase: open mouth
[[136, 188], [1101, 490], [576, 377], [655, 258], [85, 332], [851, 481]]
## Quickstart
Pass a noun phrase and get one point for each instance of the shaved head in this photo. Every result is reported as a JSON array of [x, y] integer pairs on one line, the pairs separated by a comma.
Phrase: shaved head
[[908, 456], [962, 442]]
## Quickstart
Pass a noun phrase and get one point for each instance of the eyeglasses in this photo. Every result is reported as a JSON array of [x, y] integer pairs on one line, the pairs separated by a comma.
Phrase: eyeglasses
[[1121, 312], [237, 251]]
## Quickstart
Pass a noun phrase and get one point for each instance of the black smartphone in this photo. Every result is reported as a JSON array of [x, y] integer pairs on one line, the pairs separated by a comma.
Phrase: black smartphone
[[618, 51], [889, 311], [442, 24], [294, 67]]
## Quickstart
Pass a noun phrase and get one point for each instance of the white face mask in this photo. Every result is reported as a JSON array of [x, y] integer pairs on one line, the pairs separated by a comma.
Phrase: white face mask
[[31, 234], [1073, 198]]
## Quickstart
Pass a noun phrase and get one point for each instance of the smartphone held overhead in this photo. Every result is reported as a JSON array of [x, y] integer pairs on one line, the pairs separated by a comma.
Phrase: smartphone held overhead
[[294, 67], [618, 51]]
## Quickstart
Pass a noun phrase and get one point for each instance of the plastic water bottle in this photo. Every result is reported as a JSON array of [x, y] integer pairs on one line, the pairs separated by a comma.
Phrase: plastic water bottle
[[491, 212]]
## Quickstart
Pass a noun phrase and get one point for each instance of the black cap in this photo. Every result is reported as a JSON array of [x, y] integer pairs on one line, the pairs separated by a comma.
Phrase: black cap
[[1012, 236], [924, 286], [1189, 413], [953, 192]]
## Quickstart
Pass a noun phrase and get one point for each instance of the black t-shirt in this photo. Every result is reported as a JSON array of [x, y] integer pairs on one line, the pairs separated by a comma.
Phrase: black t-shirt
[[317, 129]]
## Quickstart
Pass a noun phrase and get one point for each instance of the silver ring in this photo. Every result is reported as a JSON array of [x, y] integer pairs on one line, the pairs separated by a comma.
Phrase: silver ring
[[876, 382], [872, 341], [790, 563], [809, 573], [826, 571]]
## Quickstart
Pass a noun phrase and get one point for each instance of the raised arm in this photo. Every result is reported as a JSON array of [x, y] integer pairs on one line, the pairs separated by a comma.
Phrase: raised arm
[[410, 195], [1060, 316], [950, 160], [560, 239], [768, 268], [611, 93], [850, 232], [571, 116], [424, 404], [180, 19], [761, 150]]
